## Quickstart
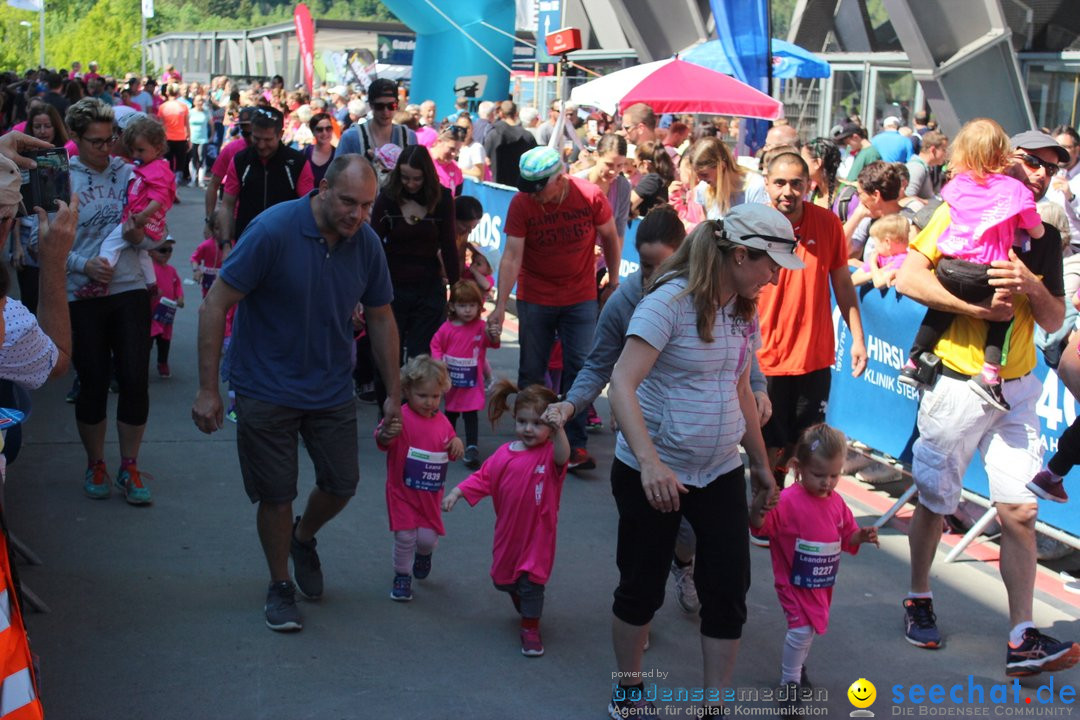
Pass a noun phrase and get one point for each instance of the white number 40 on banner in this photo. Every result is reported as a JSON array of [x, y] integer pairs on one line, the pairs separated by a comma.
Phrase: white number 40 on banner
[[1056, 404]]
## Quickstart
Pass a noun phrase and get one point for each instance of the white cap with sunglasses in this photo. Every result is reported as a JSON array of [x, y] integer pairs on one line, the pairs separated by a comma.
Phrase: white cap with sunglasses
[[762, 227]]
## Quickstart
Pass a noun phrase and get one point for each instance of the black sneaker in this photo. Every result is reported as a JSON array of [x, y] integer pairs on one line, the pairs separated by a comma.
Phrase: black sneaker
[[989, 392], [1040, 653], [306, 566], [421, 566], [281, 611], [624, 707], [920, 623]]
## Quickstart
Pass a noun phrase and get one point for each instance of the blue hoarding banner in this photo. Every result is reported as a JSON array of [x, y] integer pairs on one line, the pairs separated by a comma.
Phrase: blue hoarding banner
[[878, 410]]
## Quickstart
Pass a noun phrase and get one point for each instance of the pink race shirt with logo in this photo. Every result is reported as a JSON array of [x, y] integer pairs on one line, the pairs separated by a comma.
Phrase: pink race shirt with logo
[[416, 467], [799, 528], [464, 350], [525, 486]]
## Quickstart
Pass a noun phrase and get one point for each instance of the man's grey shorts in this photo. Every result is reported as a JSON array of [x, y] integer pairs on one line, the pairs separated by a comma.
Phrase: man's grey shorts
[[954, 423], [266, 443]]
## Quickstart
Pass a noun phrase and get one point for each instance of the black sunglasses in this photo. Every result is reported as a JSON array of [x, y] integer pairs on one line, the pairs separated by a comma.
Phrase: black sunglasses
[[1050, 168], [457, 132], [323, 128], [384, 105], [164, 250]]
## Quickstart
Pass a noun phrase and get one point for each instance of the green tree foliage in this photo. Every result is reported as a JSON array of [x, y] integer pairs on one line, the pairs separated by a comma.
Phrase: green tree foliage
[[108, 31]]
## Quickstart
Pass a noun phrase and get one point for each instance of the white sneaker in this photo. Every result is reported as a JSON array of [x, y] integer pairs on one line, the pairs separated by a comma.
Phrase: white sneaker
[[685, 590]]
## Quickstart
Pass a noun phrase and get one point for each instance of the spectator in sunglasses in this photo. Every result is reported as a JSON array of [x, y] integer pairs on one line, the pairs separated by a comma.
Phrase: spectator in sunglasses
[[321, 153], [364, 138], [444, 152], [266, 173]]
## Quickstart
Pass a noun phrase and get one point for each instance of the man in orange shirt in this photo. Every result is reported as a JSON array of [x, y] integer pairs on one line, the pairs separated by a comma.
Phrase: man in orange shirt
[[174, 115], [797, 347]]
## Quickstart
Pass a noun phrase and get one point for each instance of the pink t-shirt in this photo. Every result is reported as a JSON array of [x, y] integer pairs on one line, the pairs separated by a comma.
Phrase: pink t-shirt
[[464, 350], [153, 181], [225, 157], [450, 175], [426, 136], [985, 217], [208, 257], [169, 286], [806, 535], [416, 466], [887, 262], [525, 485]]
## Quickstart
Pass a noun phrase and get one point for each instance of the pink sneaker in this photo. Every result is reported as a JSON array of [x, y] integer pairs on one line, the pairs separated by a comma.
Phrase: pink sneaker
[[531, 644], [1044, 486]]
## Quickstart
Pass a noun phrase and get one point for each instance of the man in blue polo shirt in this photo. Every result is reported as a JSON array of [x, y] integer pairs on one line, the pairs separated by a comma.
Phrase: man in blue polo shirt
[[298, 272]]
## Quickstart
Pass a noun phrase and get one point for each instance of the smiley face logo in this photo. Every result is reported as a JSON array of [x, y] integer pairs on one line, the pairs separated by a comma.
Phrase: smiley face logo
[[862, 693]]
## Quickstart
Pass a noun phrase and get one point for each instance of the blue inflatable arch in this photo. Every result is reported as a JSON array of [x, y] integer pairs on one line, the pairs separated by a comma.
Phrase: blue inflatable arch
[[446, 62]]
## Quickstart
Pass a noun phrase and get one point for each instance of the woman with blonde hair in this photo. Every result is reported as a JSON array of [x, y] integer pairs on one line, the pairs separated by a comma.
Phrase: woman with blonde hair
[[723, 183], [682, 398]]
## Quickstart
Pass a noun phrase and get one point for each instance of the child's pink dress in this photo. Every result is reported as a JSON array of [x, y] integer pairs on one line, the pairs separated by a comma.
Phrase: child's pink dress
[[525, 486], [464, 350], [806, 534], [208, 256], [984, 217], [169, 286], [416, 464]]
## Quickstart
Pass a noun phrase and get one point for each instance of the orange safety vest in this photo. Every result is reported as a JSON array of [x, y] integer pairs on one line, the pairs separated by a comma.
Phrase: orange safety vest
[[18, 687]]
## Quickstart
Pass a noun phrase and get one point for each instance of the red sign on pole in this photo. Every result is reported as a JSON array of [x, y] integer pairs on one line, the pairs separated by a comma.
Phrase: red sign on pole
[[305, 34]]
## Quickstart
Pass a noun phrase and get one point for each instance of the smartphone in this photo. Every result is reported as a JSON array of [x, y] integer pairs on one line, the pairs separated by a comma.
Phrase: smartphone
[[49, 181], [594, 127]]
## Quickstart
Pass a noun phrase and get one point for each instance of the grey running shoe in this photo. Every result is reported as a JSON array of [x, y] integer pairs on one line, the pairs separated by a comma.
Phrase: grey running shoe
[[306, 566], [281, 611]]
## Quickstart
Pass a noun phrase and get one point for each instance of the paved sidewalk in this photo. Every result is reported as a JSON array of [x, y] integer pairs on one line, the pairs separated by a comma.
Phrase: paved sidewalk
[[157, 612]]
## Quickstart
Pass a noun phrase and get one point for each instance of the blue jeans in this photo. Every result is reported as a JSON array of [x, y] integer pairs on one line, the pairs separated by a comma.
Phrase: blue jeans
[[536, 336]]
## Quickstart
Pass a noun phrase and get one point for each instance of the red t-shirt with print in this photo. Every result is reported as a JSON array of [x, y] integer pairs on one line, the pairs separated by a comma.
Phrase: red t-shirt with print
[[558, 266]]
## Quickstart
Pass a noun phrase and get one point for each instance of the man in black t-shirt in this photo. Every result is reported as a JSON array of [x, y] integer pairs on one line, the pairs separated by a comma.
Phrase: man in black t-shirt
[[505, 143]]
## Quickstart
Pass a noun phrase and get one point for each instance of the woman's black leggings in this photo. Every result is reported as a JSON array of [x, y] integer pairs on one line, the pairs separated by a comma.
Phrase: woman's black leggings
[[646, 542], [112, 333]]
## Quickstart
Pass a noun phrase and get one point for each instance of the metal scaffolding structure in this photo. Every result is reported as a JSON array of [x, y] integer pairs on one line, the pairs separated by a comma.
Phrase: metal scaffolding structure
[[260, 52]]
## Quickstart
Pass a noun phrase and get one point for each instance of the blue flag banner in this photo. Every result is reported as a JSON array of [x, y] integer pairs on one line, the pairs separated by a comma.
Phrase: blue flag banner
[[878, 410], [742, 27]]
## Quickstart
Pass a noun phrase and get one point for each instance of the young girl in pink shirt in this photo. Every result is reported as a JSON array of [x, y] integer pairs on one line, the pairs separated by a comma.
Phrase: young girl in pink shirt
[[205, 263], [807, 530], [150, 195], [524, 479], [418, 450], [170, 297], [987, 209], [462, 344]]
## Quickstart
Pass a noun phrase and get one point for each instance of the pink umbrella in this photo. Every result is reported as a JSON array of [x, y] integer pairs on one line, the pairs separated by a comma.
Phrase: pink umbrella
[[676, 86]]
